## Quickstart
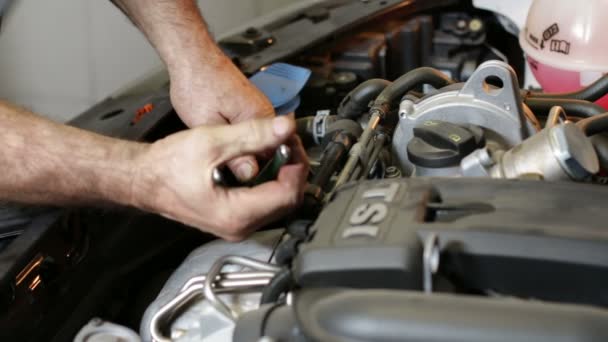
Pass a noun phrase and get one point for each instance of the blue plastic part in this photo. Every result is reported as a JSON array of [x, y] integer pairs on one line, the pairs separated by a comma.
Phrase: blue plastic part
[[281, 83], [289, 107]]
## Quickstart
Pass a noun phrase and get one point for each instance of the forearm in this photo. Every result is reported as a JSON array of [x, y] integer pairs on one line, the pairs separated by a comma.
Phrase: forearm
[[48, 163], [178, 32]]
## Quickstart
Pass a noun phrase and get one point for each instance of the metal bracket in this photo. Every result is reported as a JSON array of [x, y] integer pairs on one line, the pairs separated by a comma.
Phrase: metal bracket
[[507, 97], [430, 261]]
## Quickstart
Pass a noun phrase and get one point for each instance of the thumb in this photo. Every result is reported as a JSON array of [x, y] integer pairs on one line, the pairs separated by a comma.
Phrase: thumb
[[253, 136], [244, 168]]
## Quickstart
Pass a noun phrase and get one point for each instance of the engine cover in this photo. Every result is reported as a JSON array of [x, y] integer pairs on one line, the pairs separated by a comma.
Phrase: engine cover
[[359, 239], [494, 236]]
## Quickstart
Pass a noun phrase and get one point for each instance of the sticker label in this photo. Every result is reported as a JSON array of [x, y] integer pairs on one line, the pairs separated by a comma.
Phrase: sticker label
[[551, 32], [560, 46], [548, 35]]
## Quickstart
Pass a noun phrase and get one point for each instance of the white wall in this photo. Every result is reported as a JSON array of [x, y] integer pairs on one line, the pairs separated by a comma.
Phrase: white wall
[[60, 57]]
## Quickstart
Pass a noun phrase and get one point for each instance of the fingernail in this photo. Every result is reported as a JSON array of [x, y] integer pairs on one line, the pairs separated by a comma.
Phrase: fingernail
[[280, 125], [245, 171]]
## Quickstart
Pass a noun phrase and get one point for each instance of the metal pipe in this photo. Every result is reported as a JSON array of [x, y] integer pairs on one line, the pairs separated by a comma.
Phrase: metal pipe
[[555, 114], [226, 283], [225, 279], [215, 270], [378, 146]]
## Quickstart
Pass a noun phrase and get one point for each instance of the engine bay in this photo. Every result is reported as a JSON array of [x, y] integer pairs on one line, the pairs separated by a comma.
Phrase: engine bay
[[447, 201]]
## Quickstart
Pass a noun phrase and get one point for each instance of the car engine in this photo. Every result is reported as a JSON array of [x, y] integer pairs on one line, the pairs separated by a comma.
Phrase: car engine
[[423, 221], [430, 205], [447, 201]]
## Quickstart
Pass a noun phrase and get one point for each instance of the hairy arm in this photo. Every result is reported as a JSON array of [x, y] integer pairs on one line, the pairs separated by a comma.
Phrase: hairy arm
[[177, 31], [206, 87], [48, 163]]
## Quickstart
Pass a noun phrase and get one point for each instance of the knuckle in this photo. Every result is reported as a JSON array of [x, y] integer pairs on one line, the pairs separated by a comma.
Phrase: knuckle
[[233, 238], [292, 197], [233, 226]]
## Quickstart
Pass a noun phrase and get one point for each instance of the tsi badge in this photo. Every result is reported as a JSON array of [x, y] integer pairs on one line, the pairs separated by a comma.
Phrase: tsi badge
[[365, 218]]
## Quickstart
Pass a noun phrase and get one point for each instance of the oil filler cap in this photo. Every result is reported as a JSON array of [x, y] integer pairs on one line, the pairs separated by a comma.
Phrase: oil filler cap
[[439, 144]]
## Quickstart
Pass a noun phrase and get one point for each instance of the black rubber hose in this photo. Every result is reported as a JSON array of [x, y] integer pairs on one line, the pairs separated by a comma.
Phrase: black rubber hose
[[357, 102], [342, 135], [417, 77], [299, 229], [594, 125], [333, 156], [305, 128], [600, 144], [280, 283], [286, 251], [592, 93], [580, 108]]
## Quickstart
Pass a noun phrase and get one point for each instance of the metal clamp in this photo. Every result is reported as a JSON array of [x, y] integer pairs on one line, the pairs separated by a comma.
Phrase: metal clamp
[[320, 125], [209, 286]]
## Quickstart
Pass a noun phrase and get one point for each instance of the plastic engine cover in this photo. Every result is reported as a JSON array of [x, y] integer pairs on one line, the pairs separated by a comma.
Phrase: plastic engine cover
[[359, 242], [520, 238]]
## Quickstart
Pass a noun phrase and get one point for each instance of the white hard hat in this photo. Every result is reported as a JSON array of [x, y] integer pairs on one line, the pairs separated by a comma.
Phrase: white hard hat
[[568, 34]]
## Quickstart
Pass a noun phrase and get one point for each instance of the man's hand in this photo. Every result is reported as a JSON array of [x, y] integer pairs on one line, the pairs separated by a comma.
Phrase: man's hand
[[44, 162], [219, 96], [174, 177], [216, 93], [206, 87]]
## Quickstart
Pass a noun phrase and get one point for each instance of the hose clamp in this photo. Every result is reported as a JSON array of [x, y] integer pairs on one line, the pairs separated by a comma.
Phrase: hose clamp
[[320, 125]]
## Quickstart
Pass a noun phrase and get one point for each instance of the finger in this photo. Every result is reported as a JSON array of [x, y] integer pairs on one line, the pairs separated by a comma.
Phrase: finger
[[250, 137], [260, 205], [269, 153], [246, 168]]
